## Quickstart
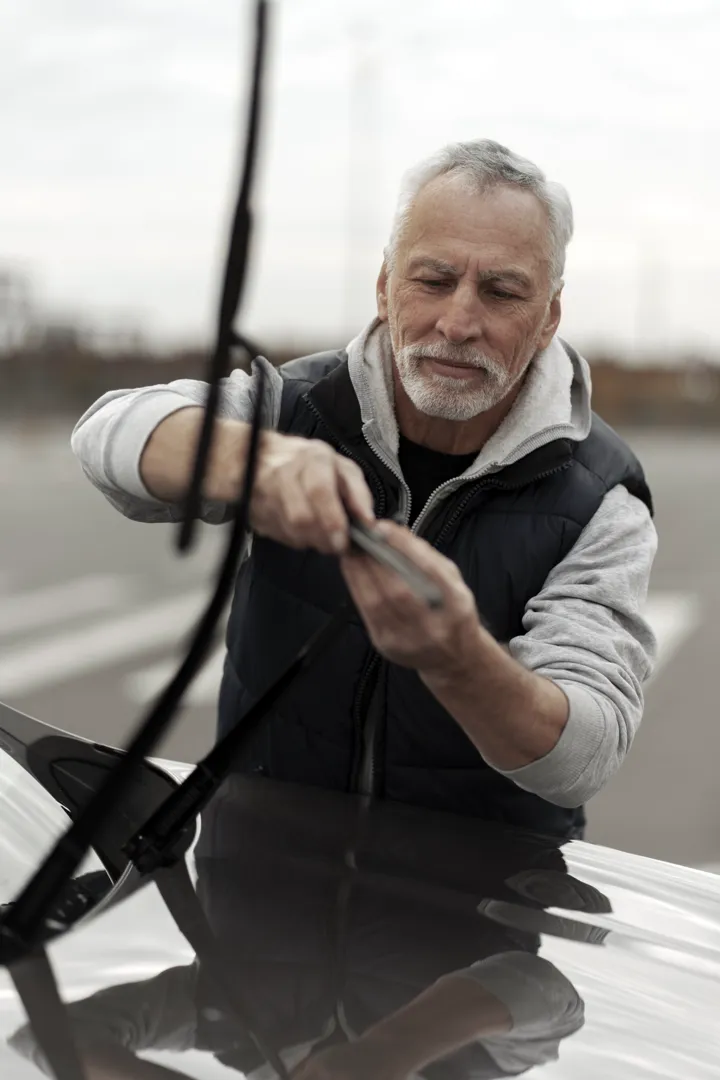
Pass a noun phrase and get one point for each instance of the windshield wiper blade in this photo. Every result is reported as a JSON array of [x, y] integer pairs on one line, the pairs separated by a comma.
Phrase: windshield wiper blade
[[233, 287], [23, 924]]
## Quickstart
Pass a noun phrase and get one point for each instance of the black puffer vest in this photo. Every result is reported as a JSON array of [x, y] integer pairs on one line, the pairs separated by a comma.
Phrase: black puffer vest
[[505, 531]]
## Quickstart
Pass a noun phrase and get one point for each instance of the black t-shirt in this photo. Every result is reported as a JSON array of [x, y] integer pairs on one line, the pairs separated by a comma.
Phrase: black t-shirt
[[424, 470]]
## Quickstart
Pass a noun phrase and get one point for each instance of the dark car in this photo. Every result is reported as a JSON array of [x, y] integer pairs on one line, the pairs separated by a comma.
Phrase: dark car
[[338, 937]]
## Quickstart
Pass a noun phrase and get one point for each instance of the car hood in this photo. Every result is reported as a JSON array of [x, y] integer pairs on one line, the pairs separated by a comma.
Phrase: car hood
[[334, 915]]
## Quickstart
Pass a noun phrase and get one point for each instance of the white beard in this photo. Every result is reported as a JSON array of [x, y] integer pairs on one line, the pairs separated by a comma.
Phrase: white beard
[[446, 397]]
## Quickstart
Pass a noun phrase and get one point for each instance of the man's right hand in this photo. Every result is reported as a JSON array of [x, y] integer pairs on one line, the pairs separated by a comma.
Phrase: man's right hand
[[303, 488], [303, 492]]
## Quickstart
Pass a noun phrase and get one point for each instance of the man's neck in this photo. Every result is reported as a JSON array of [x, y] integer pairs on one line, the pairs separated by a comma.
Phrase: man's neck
[[449, 436]]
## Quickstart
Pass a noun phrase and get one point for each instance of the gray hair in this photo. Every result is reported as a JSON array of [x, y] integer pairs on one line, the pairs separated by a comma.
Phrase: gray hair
[[489, 164]]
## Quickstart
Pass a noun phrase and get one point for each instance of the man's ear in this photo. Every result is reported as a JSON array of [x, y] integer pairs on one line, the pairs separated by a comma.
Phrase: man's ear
[[381, 292], [552, 320]]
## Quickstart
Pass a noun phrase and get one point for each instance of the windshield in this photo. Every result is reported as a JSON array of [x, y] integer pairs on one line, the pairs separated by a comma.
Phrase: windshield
[[390, 938]]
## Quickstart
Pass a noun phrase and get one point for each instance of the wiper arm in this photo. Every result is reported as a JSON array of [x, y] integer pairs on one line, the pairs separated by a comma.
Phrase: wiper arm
[[155, 843], [70, 767]]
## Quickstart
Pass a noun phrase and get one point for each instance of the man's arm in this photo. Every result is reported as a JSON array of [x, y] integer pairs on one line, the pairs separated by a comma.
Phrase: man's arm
[[587, 633], [166, 462], [452, 1013], [138, 448], [517, 1005], [112, 441], [558, 710], [522, 716]]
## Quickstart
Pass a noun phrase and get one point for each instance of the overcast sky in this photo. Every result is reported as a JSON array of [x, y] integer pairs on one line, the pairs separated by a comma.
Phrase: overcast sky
[[120, 129]]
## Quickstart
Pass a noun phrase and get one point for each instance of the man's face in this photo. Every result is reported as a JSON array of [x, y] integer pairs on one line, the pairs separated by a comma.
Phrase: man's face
[[468, 301]]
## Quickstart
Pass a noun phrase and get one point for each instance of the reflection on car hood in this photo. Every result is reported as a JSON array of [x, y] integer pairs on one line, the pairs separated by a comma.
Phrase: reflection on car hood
[[457, 948]]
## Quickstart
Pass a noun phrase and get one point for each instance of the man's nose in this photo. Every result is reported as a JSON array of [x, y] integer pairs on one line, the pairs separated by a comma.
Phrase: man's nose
[[461, 318]]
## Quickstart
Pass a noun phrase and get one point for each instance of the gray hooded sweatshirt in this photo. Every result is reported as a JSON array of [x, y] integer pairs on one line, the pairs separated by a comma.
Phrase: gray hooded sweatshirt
[[584, 630]]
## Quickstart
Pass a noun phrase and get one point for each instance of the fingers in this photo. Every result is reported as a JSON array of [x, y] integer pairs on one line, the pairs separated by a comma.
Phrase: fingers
[[320, 489], [376, 587], [309, 509], [434, 565], [354, 490], [393, 616], [304, 493], [366, 586]]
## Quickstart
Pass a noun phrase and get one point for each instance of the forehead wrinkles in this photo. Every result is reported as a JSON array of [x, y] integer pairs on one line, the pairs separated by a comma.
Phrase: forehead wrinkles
[[454, 215]]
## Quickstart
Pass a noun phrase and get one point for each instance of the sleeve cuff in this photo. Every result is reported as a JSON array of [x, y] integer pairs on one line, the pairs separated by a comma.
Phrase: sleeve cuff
[[532, 989], [130, 439], [564, 775]]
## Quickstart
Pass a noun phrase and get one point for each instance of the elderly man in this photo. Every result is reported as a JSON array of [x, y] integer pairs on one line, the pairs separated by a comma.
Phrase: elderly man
[[460, 409]]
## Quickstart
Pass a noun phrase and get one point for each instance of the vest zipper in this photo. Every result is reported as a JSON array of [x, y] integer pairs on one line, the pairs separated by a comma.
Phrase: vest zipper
[[362, 779], [373, 480]]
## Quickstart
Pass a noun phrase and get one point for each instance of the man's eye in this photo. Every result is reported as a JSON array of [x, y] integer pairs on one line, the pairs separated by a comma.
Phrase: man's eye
[[434, 283], [501, 294]]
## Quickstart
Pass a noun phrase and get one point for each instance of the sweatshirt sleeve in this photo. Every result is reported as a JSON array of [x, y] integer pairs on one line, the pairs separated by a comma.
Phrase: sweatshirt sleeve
[[110, 437], [544, 1005], [156, 1014], [586, 631]]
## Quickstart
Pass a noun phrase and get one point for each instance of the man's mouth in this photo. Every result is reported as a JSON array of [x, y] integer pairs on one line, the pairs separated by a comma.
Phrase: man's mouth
[[452, 368]]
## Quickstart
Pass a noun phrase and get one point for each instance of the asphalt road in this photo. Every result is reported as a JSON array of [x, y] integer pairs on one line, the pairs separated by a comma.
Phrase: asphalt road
[[94, 610]]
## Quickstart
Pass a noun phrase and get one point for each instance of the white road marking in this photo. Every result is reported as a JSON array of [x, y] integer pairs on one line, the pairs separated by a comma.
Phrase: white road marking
[[32, 610], [673, 616], [57, 659], [144, 685]]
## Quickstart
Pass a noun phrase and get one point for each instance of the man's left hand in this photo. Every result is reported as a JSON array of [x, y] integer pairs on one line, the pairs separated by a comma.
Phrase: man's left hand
[[403, 628]]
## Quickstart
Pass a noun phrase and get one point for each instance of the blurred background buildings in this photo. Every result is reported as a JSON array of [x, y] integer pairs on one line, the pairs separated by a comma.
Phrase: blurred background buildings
[[57, 365]]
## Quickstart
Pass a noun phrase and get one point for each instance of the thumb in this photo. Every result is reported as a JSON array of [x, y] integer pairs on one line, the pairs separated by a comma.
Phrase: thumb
[[356, 494]]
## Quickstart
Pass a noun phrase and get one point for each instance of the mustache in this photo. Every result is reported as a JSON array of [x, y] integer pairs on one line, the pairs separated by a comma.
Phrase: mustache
[[452, 354]]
